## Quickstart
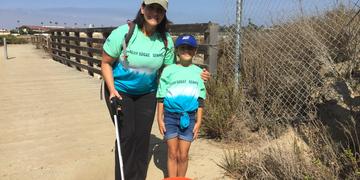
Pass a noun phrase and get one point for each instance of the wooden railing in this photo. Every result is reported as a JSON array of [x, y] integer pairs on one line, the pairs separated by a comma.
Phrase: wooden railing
[[82, 48], [41, 41]]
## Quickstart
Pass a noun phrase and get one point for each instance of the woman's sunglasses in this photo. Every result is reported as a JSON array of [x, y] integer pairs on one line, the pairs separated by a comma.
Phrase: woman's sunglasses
[[155, 7]]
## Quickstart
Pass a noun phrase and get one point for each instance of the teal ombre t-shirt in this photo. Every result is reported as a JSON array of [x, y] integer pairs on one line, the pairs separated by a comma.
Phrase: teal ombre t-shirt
[[181, 87], [145, 55]]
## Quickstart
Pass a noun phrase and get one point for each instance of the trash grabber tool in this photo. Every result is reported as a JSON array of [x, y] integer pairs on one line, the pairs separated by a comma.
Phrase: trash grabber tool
[[116, 103]]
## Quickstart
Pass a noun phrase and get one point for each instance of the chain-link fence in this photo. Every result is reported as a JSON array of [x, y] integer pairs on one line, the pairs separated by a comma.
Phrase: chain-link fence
[[285, 52]]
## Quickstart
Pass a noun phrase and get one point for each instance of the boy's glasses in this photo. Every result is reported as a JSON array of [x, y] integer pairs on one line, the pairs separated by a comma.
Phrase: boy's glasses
[[186, 48]]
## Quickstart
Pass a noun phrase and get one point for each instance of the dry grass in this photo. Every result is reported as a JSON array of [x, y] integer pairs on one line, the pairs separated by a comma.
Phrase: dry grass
[[285, 158], [222, 103], [283, 69], [284, 65], [13, 40], [309, 153]]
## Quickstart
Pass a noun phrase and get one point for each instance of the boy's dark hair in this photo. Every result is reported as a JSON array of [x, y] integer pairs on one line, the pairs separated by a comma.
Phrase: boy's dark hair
[[162, 28]]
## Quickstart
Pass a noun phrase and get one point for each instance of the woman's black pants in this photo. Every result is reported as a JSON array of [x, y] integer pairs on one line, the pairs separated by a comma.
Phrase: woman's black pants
[[134, 123]]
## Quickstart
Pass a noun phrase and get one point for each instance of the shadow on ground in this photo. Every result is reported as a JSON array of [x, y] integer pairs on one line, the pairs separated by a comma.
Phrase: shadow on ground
[[342, 122], [158, 149]]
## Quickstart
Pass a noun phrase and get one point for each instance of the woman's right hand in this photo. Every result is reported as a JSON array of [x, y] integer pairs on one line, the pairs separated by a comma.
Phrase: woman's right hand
[[115, 93]]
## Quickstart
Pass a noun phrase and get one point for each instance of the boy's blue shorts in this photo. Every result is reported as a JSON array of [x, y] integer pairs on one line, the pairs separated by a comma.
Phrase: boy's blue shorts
[[172, 125]]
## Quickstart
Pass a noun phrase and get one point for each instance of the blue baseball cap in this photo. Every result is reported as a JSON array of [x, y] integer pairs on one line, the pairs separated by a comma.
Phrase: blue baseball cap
[[186, 40]]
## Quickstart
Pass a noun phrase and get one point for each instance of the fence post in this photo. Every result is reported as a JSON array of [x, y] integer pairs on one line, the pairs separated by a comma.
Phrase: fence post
[[48, 44], [213, 41], [59, 40], [90, 34], [37, 41], [5, 49], [239, 4], [77, 51], [67, 42]]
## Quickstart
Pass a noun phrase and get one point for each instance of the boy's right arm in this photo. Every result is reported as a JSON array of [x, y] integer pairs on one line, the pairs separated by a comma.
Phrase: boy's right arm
[[160, 118], [160, 95]]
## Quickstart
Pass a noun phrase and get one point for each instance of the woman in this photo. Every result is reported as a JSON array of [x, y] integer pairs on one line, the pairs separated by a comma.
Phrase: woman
[[133, 79]]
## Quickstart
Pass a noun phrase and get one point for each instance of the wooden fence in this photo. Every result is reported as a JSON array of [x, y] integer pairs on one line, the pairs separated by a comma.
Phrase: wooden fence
[[82, 47], [41, 41]]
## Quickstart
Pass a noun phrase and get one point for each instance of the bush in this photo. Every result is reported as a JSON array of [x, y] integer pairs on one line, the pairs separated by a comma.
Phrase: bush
[[12, 40], [275, 102], [221, 107], [312, 155]]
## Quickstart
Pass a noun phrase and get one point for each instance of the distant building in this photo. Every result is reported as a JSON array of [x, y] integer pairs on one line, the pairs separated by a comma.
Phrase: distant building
[[4, 32], [29, 29]]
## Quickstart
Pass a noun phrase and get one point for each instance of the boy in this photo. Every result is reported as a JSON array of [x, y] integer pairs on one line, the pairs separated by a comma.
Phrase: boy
[[180, 95]]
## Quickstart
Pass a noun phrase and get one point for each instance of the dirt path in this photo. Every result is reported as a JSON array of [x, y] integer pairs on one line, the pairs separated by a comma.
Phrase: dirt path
[[53, 125]]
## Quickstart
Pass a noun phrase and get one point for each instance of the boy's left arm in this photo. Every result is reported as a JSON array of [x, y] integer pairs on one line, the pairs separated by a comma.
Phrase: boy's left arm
[[201, 100]]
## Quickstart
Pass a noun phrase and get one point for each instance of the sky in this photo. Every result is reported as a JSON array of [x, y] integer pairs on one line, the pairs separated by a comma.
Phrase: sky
[[102, 12], [116, 12]]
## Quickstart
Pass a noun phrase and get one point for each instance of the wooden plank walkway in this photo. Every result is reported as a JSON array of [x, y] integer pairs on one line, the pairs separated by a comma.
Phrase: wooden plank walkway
[[53, 125]]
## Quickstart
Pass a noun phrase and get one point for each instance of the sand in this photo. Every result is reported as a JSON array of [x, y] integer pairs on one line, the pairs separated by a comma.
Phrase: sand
[[54, 126]]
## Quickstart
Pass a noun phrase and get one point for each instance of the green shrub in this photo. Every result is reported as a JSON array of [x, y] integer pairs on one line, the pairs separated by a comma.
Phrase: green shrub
[[12, 40], [221, 107]]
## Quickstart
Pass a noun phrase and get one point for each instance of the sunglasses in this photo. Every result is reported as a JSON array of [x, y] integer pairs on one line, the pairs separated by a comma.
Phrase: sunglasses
[[155, 7], [186, 47]]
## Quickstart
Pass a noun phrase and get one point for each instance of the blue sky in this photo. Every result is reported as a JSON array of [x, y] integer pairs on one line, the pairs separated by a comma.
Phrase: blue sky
[[105, 12], [116, 12]]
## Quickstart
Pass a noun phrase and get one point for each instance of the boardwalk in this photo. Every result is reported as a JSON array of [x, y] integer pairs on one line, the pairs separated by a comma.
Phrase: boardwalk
[[53, 125]]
